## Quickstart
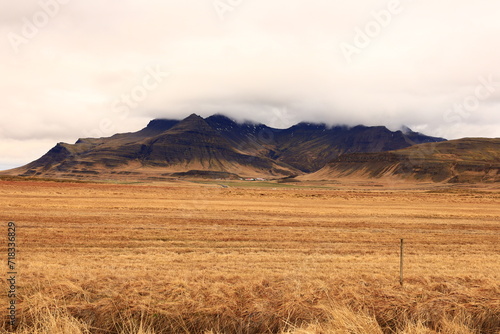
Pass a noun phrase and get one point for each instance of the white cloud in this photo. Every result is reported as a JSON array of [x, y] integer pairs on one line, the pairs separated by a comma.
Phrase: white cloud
[[278, 62]]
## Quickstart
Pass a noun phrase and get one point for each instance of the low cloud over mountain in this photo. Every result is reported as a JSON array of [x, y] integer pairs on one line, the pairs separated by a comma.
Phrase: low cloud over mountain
[[216, 144]]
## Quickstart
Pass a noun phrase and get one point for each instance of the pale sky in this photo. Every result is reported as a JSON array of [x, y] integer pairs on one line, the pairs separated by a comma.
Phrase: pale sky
[[91, 68]]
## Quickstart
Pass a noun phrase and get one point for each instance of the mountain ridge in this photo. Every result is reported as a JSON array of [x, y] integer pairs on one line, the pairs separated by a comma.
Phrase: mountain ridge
[[466, 160], [219, 144]]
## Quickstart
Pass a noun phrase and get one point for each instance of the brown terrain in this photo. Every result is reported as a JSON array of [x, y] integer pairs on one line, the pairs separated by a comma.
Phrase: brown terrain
[[468, 160], [216, 144], [219, 148], [160, 234], [254, 257]]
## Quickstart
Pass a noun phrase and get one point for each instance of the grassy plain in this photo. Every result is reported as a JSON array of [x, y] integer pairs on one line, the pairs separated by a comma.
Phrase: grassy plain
[[199, 258]]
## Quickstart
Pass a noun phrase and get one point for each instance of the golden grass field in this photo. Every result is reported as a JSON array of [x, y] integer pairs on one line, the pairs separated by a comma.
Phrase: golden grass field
[[252, 258]]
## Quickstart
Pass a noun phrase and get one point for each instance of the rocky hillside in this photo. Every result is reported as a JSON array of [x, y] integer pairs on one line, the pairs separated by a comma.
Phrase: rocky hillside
[[468, 160], [217, 144]]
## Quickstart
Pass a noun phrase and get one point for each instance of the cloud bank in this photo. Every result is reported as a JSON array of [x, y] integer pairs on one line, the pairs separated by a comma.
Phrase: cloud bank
[[74, 69]]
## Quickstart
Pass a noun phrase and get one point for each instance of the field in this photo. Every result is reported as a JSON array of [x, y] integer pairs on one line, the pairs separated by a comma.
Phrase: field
[[199, 258]]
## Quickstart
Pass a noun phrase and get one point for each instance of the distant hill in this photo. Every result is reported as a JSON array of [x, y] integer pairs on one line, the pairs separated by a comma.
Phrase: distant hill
[[469, 160], [216, 144]]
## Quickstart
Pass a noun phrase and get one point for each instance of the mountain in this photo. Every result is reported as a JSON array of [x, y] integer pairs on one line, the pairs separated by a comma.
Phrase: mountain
[[309, 147], [216, 144], [468, 160], [163, 147]]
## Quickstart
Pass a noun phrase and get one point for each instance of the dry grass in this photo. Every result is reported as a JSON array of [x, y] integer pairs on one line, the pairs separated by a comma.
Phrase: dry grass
[[183, 258]]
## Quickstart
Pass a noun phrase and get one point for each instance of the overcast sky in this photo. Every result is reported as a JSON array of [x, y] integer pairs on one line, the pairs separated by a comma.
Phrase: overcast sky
[[81, 68]]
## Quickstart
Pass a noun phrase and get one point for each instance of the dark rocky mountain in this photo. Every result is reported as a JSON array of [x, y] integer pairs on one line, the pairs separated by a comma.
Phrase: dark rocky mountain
[[308, 146], [324, 144], [468, 160], [218, 144]]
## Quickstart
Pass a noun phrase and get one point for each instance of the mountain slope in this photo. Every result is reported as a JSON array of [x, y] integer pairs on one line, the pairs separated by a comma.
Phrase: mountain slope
[[463, 160], [216, 144], [194, 144], [325, 144], [308, 146], [161, 148]]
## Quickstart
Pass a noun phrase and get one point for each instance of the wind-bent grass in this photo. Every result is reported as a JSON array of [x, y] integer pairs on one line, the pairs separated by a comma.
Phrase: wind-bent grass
[[100, 258]]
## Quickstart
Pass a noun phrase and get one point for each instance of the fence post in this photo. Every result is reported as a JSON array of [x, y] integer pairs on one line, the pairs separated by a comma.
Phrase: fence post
[[401, 255]]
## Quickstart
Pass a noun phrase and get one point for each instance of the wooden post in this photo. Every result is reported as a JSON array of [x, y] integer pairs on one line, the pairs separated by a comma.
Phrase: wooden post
[[401, 263]]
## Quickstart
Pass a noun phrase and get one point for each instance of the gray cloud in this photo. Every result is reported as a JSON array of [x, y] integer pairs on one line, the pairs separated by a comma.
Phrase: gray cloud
[[277, 62]]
